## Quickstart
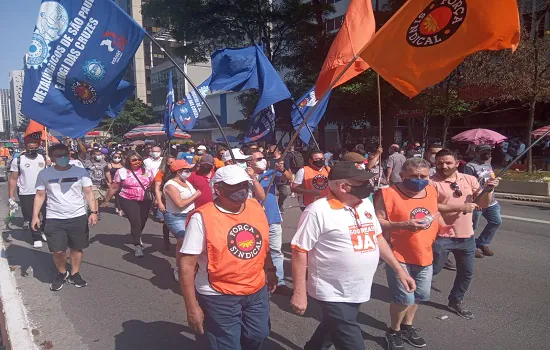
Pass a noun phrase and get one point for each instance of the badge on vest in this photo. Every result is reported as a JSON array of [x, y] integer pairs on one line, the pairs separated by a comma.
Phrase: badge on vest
[[368, 215], [244, 241], [422, 214], [320, 182]]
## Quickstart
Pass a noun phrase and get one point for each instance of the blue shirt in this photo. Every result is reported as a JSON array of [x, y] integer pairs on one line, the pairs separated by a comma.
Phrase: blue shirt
[[270, 206], [186, 156]]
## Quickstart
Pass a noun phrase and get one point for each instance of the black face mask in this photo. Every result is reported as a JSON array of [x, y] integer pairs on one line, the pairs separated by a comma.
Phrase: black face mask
[[362, 191], [318, 163], [32, 153]]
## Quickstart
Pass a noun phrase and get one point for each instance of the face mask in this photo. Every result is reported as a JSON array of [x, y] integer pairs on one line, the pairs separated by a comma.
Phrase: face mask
[[117, 160], [192, 150], [261, 150], [184, 175], [62, 161], [239, 196], [200, 152], [98, 158], [415, 185], [262, 164], [155, 154], [243, 165], [361, 191], [319, 163], [32, 153]]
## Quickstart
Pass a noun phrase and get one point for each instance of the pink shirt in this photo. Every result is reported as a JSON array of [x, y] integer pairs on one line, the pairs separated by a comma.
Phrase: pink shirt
[[468, 184], [130, 187]]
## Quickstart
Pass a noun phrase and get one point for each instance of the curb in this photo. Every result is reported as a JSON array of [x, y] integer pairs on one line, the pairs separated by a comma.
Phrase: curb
[[523, 197], [15, 324]]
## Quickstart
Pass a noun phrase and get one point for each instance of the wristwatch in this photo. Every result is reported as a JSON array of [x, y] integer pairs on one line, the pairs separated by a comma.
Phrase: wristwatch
[[94, 212]]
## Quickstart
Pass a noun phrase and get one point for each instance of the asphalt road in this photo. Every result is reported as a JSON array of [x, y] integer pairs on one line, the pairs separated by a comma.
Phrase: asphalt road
[[133, 303]]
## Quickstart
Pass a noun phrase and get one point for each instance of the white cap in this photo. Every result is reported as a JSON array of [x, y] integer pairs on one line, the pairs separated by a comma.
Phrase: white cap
[[203, 147], [237, 152], [231, 175]]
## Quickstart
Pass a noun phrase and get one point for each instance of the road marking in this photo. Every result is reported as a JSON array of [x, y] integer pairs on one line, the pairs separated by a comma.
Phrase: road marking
[[525, 219]]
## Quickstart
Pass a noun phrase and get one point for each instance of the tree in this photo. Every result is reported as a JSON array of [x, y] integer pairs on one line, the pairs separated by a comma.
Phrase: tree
[[134, 113]]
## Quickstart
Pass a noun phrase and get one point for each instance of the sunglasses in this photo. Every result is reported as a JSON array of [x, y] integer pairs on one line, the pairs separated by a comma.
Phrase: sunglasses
[[135, 160], [456, 188]]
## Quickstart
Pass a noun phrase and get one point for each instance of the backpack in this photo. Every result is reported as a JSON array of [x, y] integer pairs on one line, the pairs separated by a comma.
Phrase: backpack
[[296, 161]]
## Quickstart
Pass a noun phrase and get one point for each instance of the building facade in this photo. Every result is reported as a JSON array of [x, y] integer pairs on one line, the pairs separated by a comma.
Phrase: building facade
[[5, 113], [16, 94]]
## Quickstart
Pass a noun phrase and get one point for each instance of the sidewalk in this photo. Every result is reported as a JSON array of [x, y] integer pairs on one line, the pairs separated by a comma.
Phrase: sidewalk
[[523, 197]]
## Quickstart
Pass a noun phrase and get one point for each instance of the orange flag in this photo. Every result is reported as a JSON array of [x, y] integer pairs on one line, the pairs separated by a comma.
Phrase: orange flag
[[357, 29], [34, 128], [426, 40]]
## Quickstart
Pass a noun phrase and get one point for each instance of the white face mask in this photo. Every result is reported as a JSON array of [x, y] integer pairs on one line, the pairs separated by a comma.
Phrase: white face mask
[[262, 164], [117, 160], [98, 158], [243, 165], [184, 175], [155, 154], [192, 150]]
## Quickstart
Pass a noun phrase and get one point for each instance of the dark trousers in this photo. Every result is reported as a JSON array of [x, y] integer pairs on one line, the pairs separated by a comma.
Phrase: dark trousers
[[234, 322], [338, 327], [464, 251], [27, 203], [137, 213]]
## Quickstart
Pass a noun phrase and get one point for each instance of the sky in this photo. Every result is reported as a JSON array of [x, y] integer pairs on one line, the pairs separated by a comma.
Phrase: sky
[[17, 20]]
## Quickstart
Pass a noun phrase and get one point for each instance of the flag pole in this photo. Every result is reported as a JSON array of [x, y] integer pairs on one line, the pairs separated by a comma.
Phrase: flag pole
[[310, 112], [196, 90], [308, 128], [379, 126], [46, 134]]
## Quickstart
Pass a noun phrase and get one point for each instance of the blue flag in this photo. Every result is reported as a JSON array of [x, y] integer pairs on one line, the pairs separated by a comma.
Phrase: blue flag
[[304, 104], [79, 52], [260, 125], [123, 91], [188, 109], [169, 126], [248, 68]]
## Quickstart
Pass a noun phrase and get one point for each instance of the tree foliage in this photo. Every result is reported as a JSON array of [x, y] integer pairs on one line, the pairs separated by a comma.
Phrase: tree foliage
[[135, 113]]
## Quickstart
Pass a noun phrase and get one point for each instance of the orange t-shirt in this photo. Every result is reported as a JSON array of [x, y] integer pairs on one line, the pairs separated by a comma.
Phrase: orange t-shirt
[[159, 176], [218, 163], [411, 247]]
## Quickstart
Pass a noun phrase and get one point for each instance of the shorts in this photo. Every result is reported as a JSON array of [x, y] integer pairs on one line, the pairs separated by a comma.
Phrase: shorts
[[99, 192], [176, 223], [422, 276], [62, 233]]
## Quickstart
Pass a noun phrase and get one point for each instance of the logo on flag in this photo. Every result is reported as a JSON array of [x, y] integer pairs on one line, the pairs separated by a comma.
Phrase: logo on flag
[[84, 92], [437, 23], [94, 69]]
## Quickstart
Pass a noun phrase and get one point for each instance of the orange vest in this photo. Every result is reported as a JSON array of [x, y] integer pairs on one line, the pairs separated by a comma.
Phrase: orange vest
[[236, 246], [411, 247], [315, 180]]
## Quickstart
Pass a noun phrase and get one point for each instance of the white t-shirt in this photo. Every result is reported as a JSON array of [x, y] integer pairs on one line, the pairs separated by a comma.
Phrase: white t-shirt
[[76, 162], [64, 190], [26, 181], [152, 164], [194, 243], [185, 193], [342, 246], [298, 180]]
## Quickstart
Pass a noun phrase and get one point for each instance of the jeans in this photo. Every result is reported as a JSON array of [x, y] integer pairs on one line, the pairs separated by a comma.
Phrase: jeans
[[159, 216], [137, 213], [492, 215], [275, 246], [338, 326], [464, 251], [235, 322], [422, 276]]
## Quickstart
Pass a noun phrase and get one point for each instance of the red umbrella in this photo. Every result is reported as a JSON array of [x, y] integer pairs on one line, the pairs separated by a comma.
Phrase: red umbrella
[[152, 130], [541, 131], [479, 137]]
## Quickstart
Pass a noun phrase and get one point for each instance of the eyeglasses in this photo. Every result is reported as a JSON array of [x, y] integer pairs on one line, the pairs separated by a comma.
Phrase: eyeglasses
[[455, 187], [135, 160], [259, 159]]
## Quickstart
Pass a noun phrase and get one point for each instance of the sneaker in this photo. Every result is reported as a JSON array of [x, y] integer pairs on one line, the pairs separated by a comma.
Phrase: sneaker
[[59, 281], [460, 310], [449, 265], [176, 275], [38, 244], [77, 280], [410, 336], [138, 252], [120, 213], [284, 290], [141, 242], [479, 253], [486, 251], [43, 236], [394, 341]]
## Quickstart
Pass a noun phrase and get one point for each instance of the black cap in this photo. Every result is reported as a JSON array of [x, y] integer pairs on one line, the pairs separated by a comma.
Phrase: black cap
[[348, 170], [484, 148]]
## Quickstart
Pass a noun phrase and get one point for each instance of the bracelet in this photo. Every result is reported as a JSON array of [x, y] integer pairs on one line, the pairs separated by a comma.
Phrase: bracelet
[[94, 212]]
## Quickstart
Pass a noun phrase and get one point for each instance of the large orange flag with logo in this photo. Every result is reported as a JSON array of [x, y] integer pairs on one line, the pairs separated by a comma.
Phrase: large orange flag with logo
[[35, 128], [426, 40], [357, 29]]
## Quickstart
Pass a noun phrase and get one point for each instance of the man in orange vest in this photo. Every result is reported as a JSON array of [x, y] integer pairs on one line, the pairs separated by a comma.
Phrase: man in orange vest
[[311, 181], [410, 220], [226, 297]]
